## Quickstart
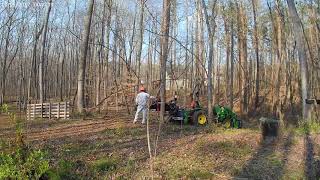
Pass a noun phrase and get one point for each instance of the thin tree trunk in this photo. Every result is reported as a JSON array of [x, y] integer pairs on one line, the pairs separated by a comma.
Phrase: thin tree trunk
[[62, 71], [140, 41], [106, 77], [228, 40], [298, 35], [210, 58], [82, 63], [101, 55], [186, 55], [4, 64], [164, 54], [231, 66], [42, 60], [256, 44]]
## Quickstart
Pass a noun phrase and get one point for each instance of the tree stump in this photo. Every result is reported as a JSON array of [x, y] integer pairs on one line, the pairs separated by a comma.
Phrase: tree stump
[[269, 127]]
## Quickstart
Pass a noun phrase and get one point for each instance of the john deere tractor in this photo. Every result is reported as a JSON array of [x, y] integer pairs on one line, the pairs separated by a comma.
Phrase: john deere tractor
[[227, 117], [195, 116], [198, 115]]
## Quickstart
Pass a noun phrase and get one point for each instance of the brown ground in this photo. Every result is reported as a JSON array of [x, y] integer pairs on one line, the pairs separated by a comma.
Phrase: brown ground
[[184, 151]]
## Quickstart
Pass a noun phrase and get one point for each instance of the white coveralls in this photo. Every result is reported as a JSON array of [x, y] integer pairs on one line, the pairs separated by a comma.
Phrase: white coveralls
[[142, 102]]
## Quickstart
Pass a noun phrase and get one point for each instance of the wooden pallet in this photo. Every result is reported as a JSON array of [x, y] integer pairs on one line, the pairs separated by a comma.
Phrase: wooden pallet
[[48, 110]]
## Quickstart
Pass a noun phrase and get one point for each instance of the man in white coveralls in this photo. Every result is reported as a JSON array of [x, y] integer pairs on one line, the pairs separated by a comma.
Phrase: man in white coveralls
[[142, 103]]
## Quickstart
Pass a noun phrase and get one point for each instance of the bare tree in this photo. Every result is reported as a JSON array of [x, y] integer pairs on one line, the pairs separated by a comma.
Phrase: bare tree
[[210, 58], [60, 57], [242, 47], [84, 51], [101, 54], [299, 38], [43, 50], [164, 53], [140, 39], [256, 44]]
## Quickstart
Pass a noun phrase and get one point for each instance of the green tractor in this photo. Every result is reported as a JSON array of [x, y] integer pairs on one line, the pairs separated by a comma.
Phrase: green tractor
[[198, 115], [227, 117], [195, 116]]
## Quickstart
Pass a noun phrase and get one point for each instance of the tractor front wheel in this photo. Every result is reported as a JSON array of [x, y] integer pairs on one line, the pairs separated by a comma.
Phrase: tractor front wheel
[[228, 123], [199, 118]]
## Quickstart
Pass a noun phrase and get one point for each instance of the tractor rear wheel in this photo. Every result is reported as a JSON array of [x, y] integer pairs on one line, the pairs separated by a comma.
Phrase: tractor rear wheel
[[237, 124], [199, 118]]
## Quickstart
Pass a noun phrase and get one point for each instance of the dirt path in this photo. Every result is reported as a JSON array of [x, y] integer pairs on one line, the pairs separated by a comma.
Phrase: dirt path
[[52, 129]]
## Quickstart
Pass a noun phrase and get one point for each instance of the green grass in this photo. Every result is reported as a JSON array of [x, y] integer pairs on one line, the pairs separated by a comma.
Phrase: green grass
[[102, 168], [65, 170], [77, 115], [8, 108], [111, 167], [187, 167], [294, 174], [78, 149], [124, 132], [306, 127], [200, 174], [206, 158], [230, 149], [274, 160], [106, 164]]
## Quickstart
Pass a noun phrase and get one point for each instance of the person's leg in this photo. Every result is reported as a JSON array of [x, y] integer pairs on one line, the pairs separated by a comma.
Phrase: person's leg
[[144, 114], [139, 108]]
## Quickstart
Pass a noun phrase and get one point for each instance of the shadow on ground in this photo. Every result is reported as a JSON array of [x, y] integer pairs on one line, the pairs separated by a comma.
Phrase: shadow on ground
[[312, 166], [267, 162]]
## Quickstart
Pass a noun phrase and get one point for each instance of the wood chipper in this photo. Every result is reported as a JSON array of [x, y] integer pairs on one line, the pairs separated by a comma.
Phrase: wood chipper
[[227, 117]]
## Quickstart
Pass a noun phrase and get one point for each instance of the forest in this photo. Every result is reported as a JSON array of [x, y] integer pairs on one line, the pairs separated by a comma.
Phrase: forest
[[227, 89]]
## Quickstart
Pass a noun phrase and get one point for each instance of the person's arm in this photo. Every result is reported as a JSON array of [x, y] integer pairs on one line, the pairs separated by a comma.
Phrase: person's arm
[[151, 97], [192, 104]]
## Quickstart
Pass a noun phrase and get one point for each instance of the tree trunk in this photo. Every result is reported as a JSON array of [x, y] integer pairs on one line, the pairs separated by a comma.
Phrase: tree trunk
[[210, 58], [231, 66], [164, 54], [42, 60], [256, 44], [185, 84], [83, 58], [228, 40], [101, 55], [106, 77], [4, 64], [62, 71], [242, 46], [298, 35], [140, 42]]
